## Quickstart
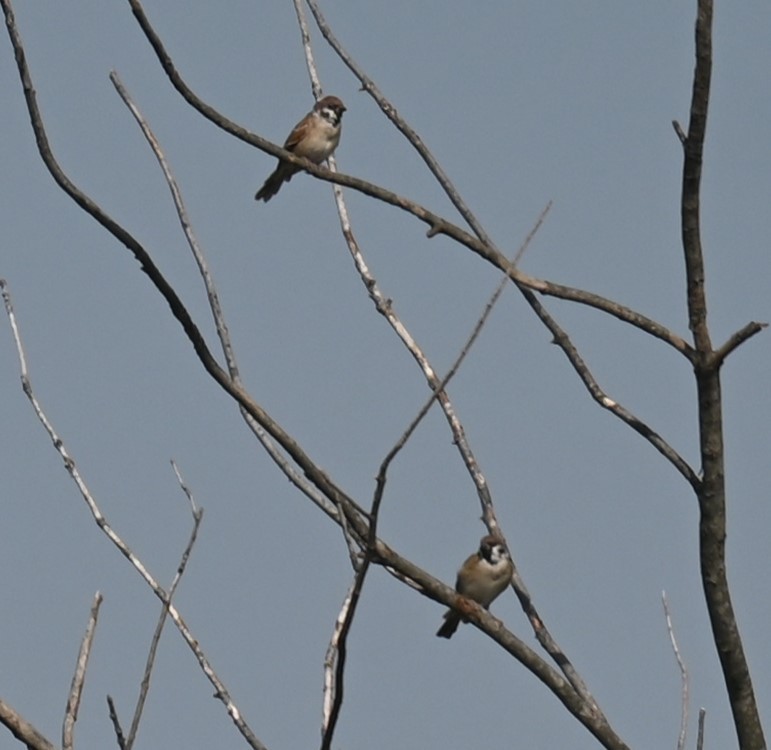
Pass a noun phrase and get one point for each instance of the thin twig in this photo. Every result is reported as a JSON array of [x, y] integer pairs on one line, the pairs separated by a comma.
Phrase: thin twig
[[76, 688], [335, 658], [150, 661], [700, 736], [737, 339], [384, 305], [197, 514], [679, 131], [305, 38], [683, 675], [118, 729]]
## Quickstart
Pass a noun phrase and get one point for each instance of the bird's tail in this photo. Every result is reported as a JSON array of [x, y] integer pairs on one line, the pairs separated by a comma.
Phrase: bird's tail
[[450, 624], [283, 173]]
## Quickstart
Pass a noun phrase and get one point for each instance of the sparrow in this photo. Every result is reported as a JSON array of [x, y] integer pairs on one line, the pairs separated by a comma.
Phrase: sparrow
[[481, 578], [315, 137]]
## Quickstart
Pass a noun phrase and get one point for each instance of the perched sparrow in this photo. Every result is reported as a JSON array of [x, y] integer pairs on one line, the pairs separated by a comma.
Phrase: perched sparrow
[[481, 578], [315, 137]]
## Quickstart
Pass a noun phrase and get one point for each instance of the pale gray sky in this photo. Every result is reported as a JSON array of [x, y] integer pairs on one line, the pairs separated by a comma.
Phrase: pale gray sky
[[523, 104]]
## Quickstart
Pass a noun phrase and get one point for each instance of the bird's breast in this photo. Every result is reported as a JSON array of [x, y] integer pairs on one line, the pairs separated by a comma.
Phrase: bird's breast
[[320, 142]]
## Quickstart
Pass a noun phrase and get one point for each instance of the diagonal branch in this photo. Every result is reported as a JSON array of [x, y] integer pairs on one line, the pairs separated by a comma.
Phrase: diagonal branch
[[736, 340], [335, 658], [661, 445], [79, 678], [21, 729], [116, 725], [150, 662]]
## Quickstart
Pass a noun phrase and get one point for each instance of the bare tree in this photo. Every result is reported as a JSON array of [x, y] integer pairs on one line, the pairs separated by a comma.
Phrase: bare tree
[[358, 518]]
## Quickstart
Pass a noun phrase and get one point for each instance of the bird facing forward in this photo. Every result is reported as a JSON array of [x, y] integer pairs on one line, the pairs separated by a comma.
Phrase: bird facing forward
[[315, 137], [481, 578]]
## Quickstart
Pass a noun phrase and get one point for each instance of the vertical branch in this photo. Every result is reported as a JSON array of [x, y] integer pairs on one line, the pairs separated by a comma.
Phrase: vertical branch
[[700, 736], [683, 675], [335, 658], [711, 493], [693, 146]]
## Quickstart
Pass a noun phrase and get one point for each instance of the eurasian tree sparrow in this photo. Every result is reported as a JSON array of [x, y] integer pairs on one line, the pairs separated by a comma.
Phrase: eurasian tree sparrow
[[481, 578], [315, 137]]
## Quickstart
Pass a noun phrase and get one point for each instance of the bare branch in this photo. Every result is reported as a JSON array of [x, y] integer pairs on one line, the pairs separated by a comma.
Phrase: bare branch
[[693, 148], [334, 660], [22, 730], [736, 340], [545, 287], [575, 359], [384, 306], [197, 517], [184, 219], [76, 688], [683, 675], [305, 37]]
